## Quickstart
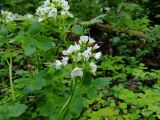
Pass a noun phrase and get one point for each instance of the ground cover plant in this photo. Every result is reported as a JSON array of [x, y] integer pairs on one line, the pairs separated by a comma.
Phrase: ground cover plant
[[79, 60]]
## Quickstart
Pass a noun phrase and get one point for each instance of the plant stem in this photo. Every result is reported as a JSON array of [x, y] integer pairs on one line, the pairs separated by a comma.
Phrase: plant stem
[[10, 69], [10, 77], [67, 103], [64, 32]]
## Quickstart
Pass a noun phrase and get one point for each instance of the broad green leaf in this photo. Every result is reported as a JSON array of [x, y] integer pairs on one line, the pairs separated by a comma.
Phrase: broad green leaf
[[47, 109], [16, 110], [32, 83], [13, 110], [29, 46], [44, 43], [21, 38], [35, 28], [92, 93], [147, 112], [101, 82], [77, 105], [87, 78]]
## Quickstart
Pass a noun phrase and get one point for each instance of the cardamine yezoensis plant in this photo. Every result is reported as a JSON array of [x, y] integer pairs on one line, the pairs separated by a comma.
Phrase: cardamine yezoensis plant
[[83, 58]]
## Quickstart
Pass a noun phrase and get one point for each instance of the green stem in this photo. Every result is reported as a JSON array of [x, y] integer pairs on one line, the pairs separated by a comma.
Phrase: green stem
[[64, 32], [67, 103], [10, 69], [10, 78]]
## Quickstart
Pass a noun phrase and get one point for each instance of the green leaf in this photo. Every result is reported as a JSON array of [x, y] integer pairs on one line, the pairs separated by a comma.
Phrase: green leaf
[[17, 109], [123, 105], [115, 41], [92, 93], [147, 112], [65, 72], [77, 105], [157, 16], [3, 31], [77, 29], [101, 82], [35, 28], [44, 43], [29, 46], [32, 83], [45, 109], [98, 19], [13, 110], [152, 117], [87, 78], [21, 38], [2, 40]]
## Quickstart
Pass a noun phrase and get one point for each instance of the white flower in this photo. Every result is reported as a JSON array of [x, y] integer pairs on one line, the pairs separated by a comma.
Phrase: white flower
[[87, 53], [46, 3], [71, 49], [95, 47], [9, 17], [40, 19], [75, 47], [77, 72], [58, 64], [28, 16], [65, 52], [51, 8], [52, 12], [65, 60], [97, 55], [63, 12], [79, 57], [93, 67], [65, 5], [107, 9], [85, 39]]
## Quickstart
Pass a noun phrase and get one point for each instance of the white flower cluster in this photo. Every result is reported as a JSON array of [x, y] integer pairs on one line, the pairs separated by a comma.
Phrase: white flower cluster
[[52, 8], [9, 17], [49, 9], [81, 54]]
